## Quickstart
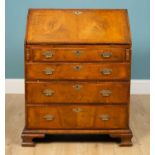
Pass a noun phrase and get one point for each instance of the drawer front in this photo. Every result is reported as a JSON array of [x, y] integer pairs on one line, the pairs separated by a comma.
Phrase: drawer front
[[75, 54], [72, 117], [77, 92], [79, 71]]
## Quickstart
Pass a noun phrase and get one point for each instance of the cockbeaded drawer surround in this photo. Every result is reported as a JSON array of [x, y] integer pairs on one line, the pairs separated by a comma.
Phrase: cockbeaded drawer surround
[[80, 88]]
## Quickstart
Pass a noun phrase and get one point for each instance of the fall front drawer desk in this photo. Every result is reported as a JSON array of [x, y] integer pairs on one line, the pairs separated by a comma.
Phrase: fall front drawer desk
[[77, 73]]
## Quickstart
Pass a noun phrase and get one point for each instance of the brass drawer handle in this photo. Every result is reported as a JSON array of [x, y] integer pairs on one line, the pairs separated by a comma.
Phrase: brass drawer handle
[[106, 71], [105, 93], [48, 117], [77, 53], [104, 117], [106, 54], [77, 110], [48, 71], [48, 92], [48, 54], [77, 87], [77, 68]]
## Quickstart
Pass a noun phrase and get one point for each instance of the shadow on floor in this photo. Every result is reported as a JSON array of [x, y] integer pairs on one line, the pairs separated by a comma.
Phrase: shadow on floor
[[77, 138]]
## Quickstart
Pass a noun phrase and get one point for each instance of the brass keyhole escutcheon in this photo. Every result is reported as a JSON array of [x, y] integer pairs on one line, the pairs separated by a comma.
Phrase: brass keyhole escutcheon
[[77, 87], [77, 53], [77, 12], [77, 68]]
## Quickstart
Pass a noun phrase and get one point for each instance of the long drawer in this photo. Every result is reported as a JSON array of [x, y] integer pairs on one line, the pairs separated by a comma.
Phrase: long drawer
[[80, 71], [73, 117], [47, 54], [77, 92]]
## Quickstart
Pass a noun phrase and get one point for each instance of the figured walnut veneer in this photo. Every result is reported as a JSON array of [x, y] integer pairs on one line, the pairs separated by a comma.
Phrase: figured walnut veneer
[[77, 73]]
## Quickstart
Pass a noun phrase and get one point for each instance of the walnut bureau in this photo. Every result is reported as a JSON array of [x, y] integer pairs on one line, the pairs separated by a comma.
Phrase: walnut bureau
[[77, 73]]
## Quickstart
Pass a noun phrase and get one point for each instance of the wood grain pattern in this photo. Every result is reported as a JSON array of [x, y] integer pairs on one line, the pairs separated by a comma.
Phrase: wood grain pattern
[[89, 144], [78, 54], [77, 73], [91, 26], [88, 71], [66, 92], [87, 117]]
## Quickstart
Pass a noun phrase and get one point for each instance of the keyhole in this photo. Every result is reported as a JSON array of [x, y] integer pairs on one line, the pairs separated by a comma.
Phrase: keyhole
[[77, 68]]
